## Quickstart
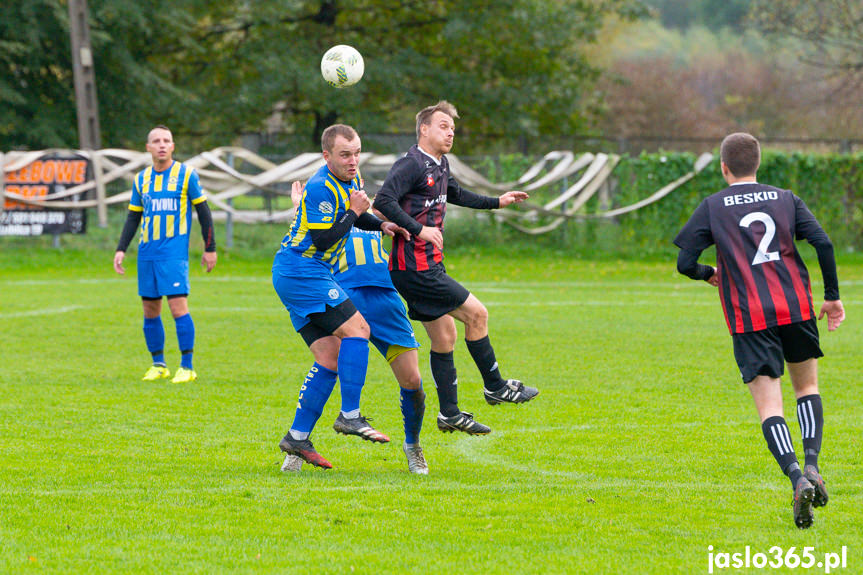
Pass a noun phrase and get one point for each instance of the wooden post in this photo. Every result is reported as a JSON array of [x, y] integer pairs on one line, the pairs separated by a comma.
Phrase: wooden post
[[85, 77]]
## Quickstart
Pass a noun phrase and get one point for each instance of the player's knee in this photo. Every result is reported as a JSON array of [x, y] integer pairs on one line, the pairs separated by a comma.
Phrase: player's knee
[[360, 329], [326, 353], [443, 341], [411, 381], [478, 317]]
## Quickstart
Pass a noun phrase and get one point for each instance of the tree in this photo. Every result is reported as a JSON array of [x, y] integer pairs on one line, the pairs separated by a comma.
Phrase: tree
[[830, 30], [214, 70]]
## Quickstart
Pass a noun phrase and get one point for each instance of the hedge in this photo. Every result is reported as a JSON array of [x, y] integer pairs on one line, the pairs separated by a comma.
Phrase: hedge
[[830, 184]]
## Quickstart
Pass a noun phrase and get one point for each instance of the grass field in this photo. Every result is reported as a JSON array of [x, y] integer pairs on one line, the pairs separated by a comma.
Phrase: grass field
[[642, 451]]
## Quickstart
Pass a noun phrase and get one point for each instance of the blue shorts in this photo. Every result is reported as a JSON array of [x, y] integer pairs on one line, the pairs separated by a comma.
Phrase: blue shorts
[[385, 313], [164, 277], [306, 286]]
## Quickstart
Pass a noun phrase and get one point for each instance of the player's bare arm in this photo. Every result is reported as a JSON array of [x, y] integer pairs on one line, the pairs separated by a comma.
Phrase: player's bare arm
[[296, 193], [432, 235], [835, 313], [713, 279], [360, 202], [208, 261], [392, 229], [512, 197], [118, 262]]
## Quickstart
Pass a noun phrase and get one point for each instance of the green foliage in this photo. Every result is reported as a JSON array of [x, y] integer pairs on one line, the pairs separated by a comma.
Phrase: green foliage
[[829, 29], [214, 70], [830, 184]]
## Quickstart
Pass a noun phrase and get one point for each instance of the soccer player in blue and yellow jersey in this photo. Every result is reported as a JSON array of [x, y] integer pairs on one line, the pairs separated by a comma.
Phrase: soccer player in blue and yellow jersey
[[362, 271], [332, 204], [415, 195], [765, 294], [163, 197]]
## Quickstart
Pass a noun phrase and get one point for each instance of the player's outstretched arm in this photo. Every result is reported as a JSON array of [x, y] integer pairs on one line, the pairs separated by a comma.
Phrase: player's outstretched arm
[[512, 197], [835, 313]]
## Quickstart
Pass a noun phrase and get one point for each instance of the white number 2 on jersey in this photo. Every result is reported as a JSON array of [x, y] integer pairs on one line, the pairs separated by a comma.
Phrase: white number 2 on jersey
[[762, 255]]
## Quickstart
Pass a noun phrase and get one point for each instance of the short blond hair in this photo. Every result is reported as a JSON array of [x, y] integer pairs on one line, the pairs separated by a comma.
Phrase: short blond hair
[[159, 127], [328, 138], [424, 116]]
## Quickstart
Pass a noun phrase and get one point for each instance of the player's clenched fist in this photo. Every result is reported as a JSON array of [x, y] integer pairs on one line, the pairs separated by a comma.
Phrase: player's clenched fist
[[360, 202]]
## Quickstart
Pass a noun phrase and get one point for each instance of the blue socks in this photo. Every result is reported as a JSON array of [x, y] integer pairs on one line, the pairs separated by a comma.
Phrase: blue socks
[[353, 363], [154, 335], [314, 393], [186, 338], [412, 402]]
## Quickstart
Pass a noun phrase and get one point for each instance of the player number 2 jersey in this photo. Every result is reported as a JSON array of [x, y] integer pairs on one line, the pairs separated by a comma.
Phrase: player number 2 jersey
[[763, 280]]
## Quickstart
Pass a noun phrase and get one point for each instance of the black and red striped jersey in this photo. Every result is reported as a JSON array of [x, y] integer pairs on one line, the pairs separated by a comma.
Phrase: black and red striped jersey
[[415, 194], [763, 281]]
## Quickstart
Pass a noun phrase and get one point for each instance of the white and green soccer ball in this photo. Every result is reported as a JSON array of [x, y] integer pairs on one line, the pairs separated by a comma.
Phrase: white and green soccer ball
[[342, 66]]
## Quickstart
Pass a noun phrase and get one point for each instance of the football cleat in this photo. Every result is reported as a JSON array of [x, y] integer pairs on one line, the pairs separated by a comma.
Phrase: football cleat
[[416, 460], [463, 421], [821, 498], [184, 375], [156, 372], [292, 463], [360, 427], [513, 391], [303, 449], [804, 493]]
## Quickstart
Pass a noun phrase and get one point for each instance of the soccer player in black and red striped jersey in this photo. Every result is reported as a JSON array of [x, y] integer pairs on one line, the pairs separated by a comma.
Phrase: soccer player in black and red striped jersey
[[415, 195], [765, 294]]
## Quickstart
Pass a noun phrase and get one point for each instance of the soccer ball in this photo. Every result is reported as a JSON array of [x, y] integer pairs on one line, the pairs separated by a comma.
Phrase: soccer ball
[[342, 66]]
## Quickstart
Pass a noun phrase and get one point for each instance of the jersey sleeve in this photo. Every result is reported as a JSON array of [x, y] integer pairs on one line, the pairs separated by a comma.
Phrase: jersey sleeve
[[459, 196], [805, 224], [319, 206], [808, 228], [696, 235], [136, 203], [400, 181], [196, 194]]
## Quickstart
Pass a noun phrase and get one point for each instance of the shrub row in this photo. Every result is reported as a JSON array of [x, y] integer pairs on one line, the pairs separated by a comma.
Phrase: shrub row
[[830, 184]]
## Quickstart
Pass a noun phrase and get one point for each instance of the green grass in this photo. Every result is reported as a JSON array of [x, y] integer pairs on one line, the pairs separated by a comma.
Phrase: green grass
[[642, 450]]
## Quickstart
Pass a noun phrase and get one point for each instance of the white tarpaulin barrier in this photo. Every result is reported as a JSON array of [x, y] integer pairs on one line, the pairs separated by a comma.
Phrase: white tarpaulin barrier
[[223, 182]]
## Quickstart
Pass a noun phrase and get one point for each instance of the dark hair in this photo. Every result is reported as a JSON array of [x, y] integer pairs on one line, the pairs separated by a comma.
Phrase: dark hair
[[424, 115], [328, 138], [741, 153]]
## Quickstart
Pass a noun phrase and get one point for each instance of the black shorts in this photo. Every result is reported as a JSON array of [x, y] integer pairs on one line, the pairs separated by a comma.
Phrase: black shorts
[[765, 352], [430, 293], [325, 323]]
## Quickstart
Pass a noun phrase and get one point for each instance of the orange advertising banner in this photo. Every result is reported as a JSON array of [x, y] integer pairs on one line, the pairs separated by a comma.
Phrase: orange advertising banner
[[51, 174]]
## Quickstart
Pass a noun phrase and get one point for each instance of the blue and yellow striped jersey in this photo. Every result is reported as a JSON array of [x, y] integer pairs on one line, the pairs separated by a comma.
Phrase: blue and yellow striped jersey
[[325, 201], [166, 199], [363, 262]]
